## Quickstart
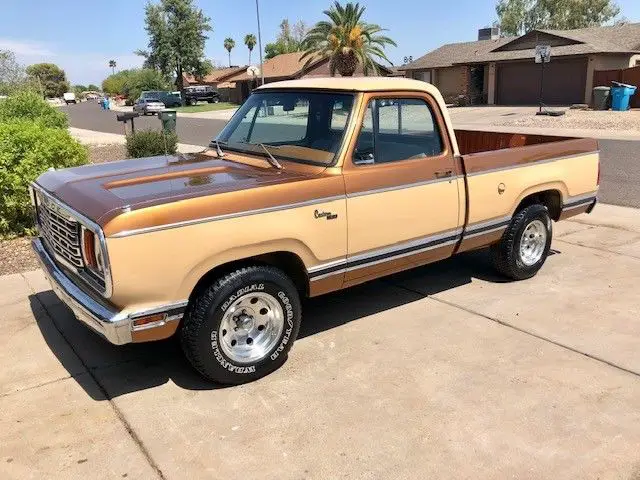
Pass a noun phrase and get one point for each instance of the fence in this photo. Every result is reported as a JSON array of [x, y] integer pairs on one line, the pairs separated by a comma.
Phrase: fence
[[630, 76]]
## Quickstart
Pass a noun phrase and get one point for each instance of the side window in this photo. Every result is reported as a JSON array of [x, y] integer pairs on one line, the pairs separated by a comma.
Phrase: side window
[[402, 129]]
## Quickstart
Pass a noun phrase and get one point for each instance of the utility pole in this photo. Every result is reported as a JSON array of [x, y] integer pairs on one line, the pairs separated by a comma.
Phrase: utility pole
[[260, 43]]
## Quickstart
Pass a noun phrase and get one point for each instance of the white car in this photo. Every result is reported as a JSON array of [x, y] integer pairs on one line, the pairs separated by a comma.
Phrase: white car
[[145, 106], [69, 97]]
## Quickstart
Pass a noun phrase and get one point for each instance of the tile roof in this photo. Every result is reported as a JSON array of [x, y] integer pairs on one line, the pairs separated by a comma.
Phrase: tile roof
[[217, 75], [280, 66], [612, 39]]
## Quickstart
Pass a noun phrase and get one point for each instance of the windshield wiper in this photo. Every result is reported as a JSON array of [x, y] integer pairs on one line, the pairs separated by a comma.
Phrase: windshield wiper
[[272, 160], [219, 151]]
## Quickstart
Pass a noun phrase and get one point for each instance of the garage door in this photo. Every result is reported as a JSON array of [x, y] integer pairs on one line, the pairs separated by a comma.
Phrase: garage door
[[564, 82]]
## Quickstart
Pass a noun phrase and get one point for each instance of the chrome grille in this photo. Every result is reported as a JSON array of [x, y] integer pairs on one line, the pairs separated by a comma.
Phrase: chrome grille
[[60, 231]]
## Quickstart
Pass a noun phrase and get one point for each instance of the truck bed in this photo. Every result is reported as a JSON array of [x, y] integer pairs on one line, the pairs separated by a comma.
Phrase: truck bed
[[472, 141]]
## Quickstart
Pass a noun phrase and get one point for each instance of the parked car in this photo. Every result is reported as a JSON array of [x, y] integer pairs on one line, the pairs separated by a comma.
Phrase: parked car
[[146, 106], [201, 93], [223, 261], [170, 99], [69, 97]]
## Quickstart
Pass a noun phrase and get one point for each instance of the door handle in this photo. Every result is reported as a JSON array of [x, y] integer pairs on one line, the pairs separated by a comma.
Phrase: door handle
[[445, 174]]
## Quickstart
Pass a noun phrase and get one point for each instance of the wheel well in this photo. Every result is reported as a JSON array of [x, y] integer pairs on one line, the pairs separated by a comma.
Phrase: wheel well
[[552, 199], [288, 262]]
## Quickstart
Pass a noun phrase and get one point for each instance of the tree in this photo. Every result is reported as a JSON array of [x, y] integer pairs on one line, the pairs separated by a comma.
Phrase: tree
[[347, 40], [517, 17], [250, 42], [93, 88], [12, 74], [288, 40], [229, 44], [205, 68], [112, 66], [51, 79], [176, 30], [131, 83]]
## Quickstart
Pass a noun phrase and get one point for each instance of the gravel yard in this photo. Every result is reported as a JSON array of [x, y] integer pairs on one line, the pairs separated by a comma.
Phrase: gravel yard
[[592, 120], [16, 255]]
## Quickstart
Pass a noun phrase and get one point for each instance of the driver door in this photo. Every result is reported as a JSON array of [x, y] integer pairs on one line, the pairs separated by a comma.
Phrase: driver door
[[403, 188]]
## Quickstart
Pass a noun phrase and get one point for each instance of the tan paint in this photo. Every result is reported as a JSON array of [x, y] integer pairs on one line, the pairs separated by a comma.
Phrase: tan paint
[[179, 257], [577, 174], [161, 266]]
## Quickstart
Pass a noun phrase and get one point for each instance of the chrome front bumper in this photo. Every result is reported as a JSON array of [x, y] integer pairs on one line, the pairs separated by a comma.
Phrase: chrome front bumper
[[108, 322]]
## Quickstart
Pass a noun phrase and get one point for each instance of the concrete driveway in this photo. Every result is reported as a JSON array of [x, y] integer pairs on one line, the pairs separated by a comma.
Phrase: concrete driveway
[[443, 372]]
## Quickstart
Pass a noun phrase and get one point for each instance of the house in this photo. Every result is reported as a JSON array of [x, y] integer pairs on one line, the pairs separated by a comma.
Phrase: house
[[501, 70], [286, 66]]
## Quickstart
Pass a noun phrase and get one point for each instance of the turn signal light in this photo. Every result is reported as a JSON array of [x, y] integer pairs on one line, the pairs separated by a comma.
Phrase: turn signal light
[[147, 321], [88, 248]]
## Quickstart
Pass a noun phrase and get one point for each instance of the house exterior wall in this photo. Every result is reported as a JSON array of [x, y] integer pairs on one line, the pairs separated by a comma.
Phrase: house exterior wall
[[605, 62], [452, 81]]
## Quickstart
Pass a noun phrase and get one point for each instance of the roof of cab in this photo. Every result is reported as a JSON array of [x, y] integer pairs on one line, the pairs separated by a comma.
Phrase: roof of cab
[[356, 84]]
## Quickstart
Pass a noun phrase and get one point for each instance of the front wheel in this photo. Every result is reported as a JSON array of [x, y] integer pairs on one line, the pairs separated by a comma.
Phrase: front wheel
[[241, 327], [525, 244]]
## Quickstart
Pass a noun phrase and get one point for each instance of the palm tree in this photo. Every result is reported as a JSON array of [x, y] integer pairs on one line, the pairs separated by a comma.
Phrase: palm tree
[[347, 40], [250, 42], [112, 66], [229, 44]]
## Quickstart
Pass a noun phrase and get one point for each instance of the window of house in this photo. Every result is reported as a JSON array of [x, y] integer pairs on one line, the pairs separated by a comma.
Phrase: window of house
[[397, 129]]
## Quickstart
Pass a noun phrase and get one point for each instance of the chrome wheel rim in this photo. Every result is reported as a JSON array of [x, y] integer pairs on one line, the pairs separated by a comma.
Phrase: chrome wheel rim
[[533, 242], [251, 327]]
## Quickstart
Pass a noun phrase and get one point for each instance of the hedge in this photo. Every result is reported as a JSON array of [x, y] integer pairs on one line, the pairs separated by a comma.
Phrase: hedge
[[27, 149], [149, 143], [28, 105]]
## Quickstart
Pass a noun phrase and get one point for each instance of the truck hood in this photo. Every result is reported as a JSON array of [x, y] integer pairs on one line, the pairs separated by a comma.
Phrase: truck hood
[[102, 191]]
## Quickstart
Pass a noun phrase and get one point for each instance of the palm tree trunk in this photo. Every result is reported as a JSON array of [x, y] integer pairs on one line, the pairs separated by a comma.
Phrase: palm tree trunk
[[229, 57], [249, 57]]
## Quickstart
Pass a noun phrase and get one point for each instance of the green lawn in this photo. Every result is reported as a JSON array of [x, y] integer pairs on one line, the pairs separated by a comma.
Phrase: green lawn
[[205, 107]]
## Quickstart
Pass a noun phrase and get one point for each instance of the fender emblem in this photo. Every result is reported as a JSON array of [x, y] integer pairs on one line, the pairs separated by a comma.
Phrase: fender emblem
[[328, 215]]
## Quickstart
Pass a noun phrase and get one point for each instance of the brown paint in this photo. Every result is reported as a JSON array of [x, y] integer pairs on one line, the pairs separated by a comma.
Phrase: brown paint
[[326, 285], [519, 155], [573, 212], [480, 241], [366, 273]]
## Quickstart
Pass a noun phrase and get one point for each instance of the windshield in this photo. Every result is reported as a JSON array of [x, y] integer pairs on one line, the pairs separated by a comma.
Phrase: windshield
[[307, 127]]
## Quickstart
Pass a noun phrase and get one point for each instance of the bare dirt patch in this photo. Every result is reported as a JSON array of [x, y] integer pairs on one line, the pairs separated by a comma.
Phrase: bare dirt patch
[[107, 153], [16, 256], [591, 120]]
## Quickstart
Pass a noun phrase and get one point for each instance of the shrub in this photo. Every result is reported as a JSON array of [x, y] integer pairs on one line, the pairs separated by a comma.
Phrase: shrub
[[28, 149], [28, 105], [149, 143]]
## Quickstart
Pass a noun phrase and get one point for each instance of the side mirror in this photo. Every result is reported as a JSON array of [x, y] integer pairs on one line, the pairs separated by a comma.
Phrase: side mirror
[[363, 158]]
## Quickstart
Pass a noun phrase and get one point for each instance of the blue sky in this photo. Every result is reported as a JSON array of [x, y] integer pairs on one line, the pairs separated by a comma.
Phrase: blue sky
[[82, 40]]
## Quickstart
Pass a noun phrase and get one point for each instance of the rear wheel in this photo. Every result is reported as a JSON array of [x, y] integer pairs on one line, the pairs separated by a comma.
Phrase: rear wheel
[[242, 327], [525, 244]]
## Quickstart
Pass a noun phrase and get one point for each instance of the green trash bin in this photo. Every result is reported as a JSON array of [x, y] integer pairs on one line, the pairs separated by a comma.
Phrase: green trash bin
[[168, 119], [601, 98]]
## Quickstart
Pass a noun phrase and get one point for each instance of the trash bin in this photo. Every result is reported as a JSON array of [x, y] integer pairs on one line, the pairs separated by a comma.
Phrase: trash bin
[[168, 119], [601, 98], [620, 96]]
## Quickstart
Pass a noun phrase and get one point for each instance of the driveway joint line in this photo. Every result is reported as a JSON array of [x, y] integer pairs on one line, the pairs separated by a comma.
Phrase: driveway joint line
[[43, 384], [600, 249], [522, 330], [119, 414], [607, 225]]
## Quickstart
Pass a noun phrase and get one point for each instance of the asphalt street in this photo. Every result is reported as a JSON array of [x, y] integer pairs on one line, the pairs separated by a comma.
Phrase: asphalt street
[[620, 162]]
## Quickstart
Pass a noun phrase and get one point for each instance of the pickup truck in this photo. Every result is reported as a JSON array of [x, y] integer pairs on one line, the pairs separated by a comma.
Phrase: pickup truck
[[313, 186]]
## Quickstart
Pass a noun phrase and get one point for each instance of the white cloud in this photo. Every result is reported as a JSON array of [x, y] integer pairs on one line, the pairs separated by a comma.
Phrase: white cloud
[[26, 48], [83, 68]]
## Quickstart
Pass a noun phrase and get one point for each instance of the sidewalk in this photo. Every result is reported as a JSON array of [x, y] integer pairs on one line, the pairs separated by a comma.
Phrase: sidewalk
[[91, 137], [483, 379]]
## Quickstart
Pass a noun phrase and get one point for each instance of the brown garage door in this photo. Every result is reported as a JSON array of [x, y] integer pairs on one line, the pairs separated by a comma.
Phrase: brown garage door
[[564, 82]]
